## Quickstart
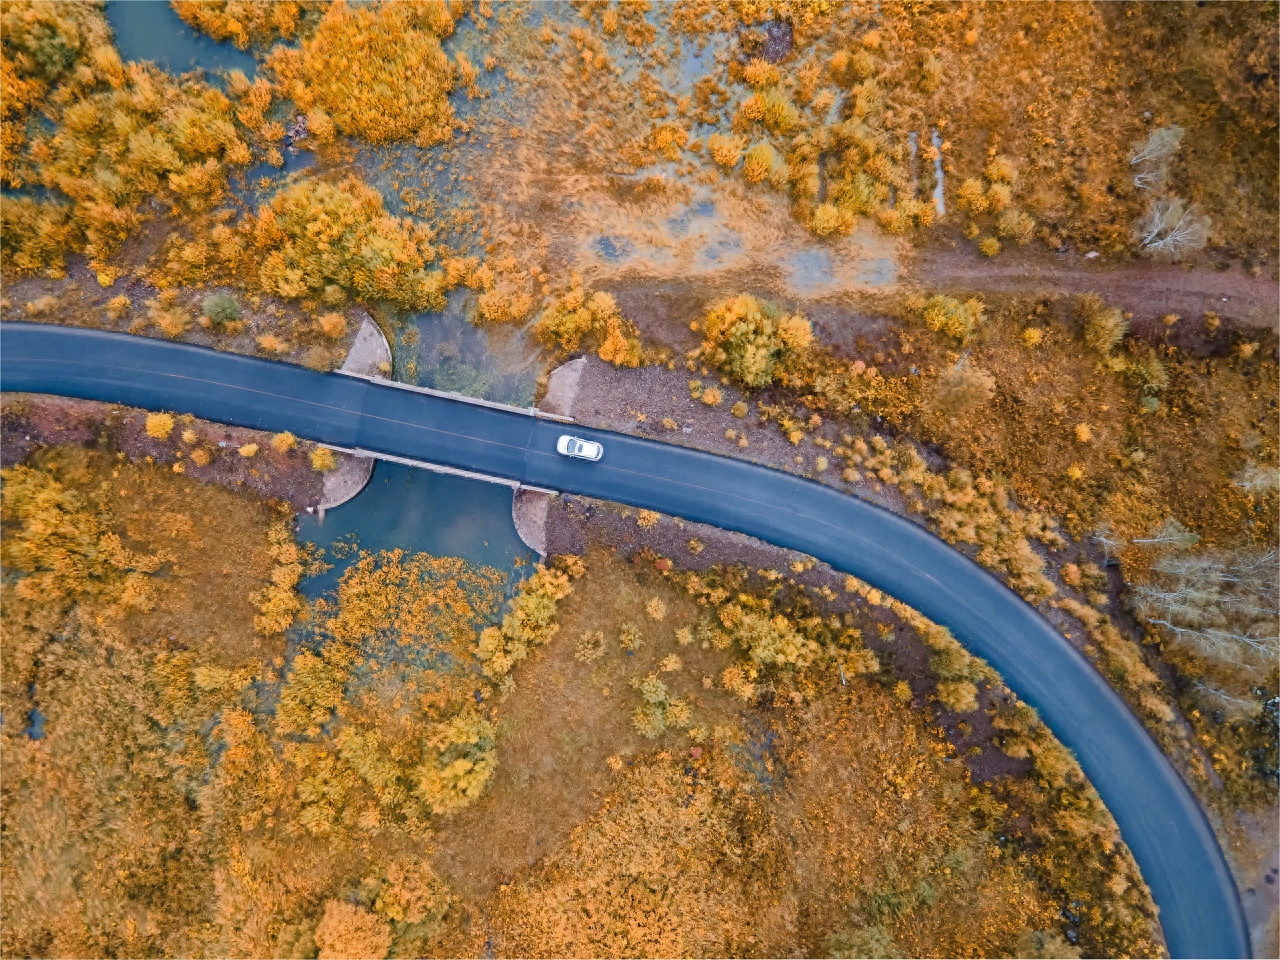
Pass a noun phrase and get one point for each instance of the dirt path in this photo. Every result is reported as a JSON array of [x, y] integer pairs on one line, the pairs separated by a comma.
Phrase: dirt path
[[1149, 289]]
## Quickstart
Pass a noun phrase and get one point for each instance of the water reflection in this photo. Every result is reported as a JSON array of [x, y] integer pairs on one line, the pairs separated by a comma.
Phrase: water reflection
[[410, 509], [151, 30]]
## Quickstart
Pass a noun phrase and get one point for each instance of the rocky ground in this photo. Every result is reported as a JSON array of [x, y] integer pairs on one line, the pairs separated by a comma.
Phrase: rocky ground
[[28, 421]]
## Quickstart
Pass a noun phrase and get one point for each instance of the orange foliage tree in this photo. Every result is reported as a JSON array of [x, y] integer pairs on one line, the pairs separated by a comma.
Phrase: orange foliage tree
[[144, 136], [378, 72], [319, 240]]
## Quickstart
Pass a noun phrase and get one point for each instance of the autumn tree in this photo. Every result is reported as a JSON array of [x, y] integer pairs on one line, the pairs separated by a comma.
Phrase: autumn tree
[[347, 931], [749, 338]]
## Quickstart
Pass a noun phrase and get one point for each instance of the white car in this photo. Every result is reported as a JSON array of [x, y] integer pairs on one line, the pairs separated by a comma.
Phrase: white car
[[581, 449]]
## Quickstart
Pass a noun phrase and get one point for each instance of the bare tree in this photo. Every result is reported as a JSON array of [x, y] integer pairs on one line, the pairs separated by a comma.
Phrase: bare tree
[[1171, 228], [1152, 156], [1162, 144], [1222, 608], [963, 388], [1257, 480], [1171, 533], [1105, 537]]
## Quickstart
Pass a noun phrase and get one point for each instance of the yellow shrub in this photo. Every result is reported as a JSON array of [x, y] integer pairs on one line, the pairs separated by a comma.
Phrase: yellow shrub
[[159, 425], [591, 646], [577, 321], [530, 622], [413, 893], [314, 234], [647, 518], [1000, 169], [828, 219], [332, 325], [712, 396], [760, 73], [999, 195], [950, 316], [958, 696], [726, 151], [972, 197], [759, 163], [323, 459], [284, 442], [273, 344], [117, 307], [748, 338], [201, 457], [346, 930], [248, 450], [462, 764]]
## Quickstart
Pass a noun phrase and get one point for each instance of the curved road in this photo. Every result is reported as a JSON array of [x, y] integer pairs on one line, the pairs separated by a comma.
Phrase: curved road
[[1157, 814]]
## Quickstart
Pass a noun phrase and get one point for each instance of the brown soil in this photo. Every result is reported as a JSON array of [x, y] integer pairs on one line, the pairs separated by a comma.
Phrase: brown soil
[[1254, 847], [1149, 289], [29, 421]]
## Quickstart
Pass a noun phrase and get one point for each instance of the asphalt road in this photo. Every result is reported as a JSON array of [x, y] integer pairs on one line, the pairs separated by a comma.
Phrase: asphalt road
[[1157, 814]]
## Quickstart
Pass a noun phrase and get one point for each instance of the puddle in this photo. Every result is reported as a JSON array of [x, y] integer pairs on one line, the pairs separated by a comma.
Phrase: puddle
[[757, 756], [153, 31], [35, 728], [418, 511], [819, 271]]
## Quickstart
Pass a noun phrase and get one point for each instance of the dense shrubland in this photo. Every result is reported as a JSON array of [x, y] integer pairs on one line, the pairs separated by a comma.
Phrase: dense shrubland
[[224, 745], [144, 136], [378, 72], [1016, 97], [317, 241], [1054, 406], [50, 56], [246, 21], [714, 785], [374, 723]]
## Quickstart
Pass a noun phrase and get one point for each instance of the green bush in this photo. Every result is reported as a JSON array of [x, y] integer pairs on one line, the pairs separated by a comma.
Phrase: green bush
[[221, 308]]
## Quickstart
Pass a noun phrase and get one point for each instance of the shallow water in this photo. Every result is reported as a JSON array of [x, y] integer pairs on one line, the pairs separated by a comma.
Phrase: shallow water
[[404, 508], [151, 30], [451, 353]]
